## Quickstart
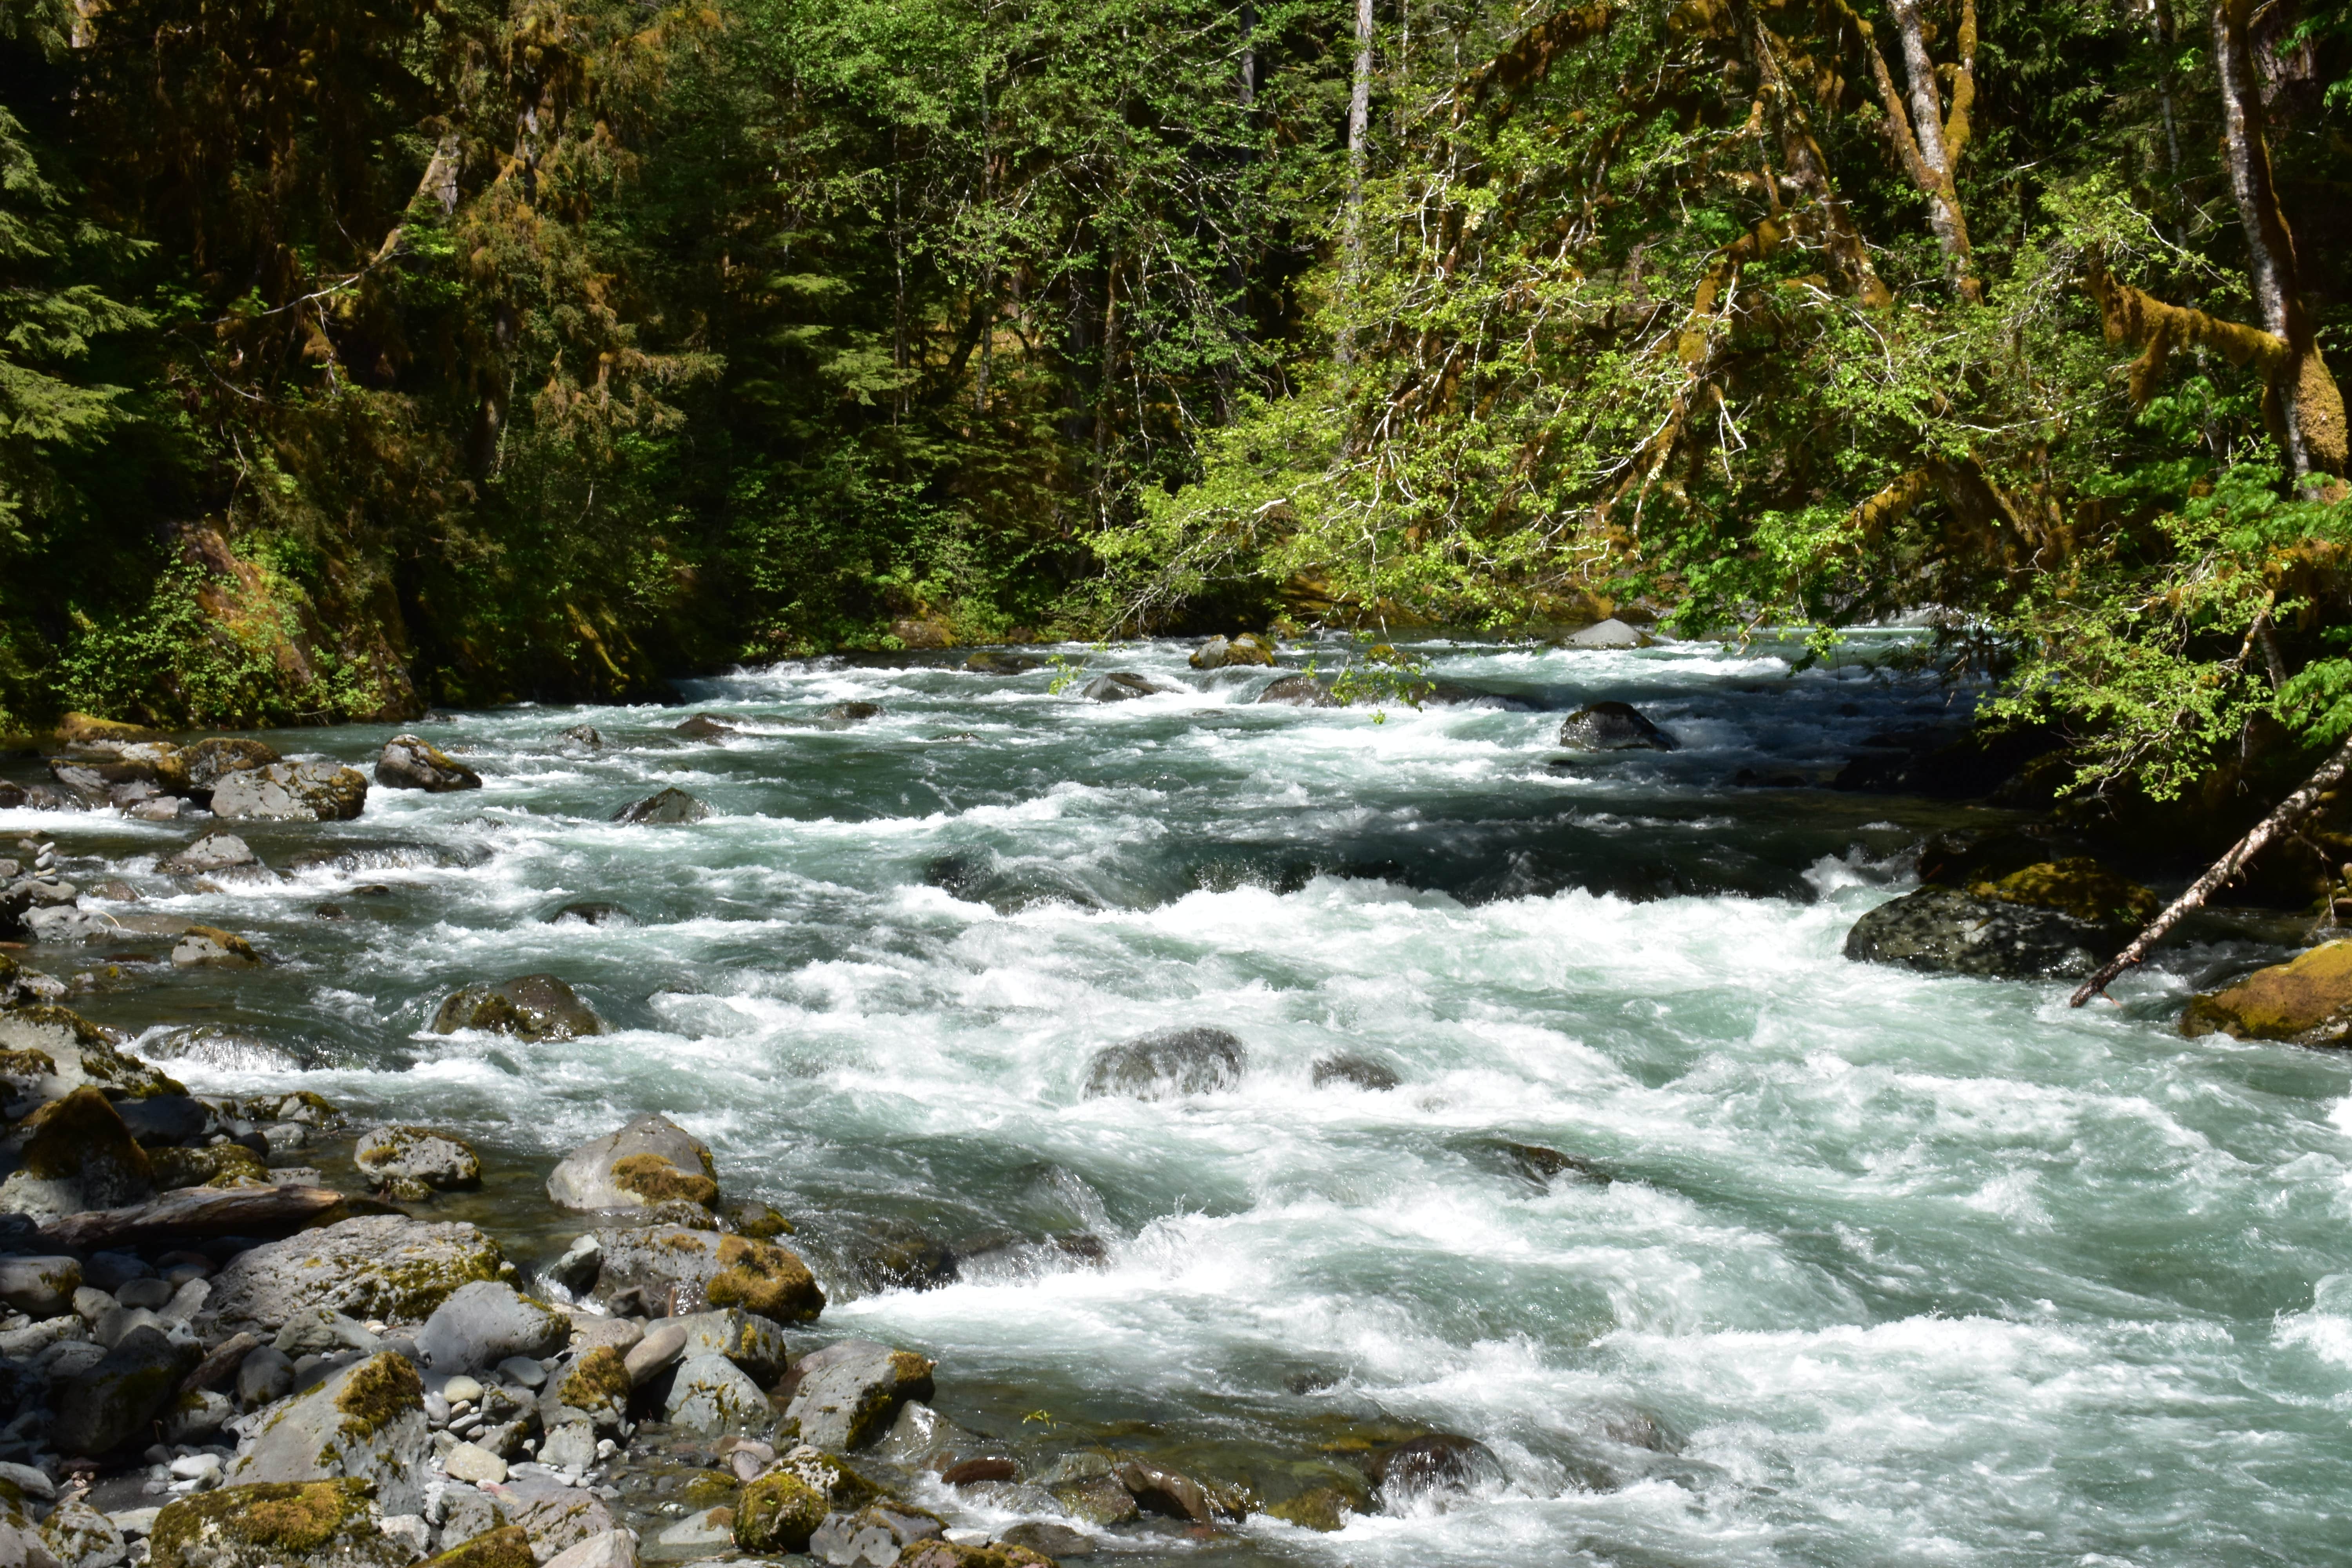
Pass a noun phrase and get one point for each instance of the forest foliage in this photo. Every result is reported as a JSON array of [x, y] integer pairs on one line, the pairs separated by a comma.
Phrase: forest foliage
[[361, 354]]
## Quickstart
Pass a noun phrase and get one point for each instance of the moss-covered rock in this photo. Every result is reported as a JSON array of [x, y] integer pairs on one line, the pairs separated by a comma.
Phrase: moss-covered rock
[[779, 1512], [596, 1384], [506, 1547], [314, 1524], [2308, 1001], [366, 1422], [77, 1052], [650, 1162], [763, 1278], [1324, 1508], [411, 761], [210, 947], [948, 1554], [387, 1266], [419, 1154], [220, 1165], [78, 1156], [849, 1393], [2078, 886], [529, 1007]]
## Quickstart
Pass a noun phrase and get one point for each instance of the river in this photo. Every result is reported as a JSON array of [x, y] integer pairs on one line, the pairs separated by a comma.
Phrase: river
[[1892, 1268]]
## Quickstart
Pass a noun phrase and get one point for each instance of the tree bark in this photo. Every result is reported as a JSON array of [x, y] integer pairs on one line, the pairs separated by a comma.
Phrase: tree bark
[[2279, 822], [2306, 403], [1940, 142], [1359, 125]]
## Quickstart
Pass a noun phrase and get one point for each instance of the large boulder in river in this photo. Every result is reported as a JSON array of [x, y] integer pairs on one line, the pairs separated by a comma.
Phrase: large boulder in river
[[410, 761], [312, 1525], [668, 1270], [292, 792], [386, 1266], [417, 1154], [1943, 930], [1299, 691], [47, 1052], [2308, 1001], [80, 1156], [1613, 727], [1220, 653], [1611, 633], [2077, 886], [530, 1007], [364, 1423], [665, 808], [215, 851], [1125, 685], [850, 1392], [651, 1161], [1171, 1063], [208, 763]]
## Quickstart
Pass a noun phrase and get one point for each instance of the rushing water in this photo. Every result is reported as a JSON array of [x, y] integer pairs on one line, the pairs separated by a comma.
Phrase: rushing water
[[1905, 1269]]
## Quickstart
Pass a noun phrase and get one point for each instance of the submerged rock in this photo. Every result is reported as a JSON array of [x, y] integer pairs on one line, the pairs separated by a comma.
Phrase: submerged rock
[[410, 761], [530, 1007], [709, 726], [1438, 1463], [994, 661], [2306, 1001], [588, 912], [1171, 1063], [1613, 727], [584, 735], [666, 808], [1125, 685], [1942, 931], [1358, 1072], [651, 1161], [850, 713], [292, 792]]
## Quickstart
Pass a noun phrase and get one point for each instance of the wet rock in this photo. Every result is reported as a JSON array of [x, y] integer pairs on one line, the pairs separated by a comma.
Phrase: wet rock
[[483, 1323], [849, 1393], [1299, 691], [875, 1534], [417, 1153], [2078, 886], [888, 1255], [388, 1268], [1125, 685], [589, 914], [1436, 1464], [220, 1165], [364, 1423], [607, 1549], [710, 1394], [40, 1287], [314, 1524], [1538, 1164], [1171, 1063], [1047, 1539], [1611, 633], [410, 761], [47, 1052], [651, 1161], [994, 661], [530, 1007], [164, 1118], [208, 763], [1942, 930], [209, 947], [952, 1554], [850, 713], [215, 851], [749, 1340], [80, 1536], [584, 735], [1358, 1072], [2306, 1001], [779, 1512], [1174, 1495], [662, 809], [506, 1547], [555, 1517], [1221, 653], [130, 1386], [79, 1156], [292, 792], [1326, 1509], [1613, 727], [668, 1270], [710, 726]]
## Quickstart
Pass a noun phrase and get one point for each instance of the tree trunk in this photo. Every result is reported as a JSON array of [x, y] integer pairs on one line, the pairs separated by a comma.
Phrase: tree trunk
[[2279, 822], [1940, 148], [2305, 401], [1359, 124]]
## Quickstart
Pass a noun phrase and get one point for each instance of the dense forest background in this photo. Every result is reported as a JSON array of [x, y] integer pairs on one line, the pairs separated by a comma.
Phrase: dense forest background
[[361, 354]]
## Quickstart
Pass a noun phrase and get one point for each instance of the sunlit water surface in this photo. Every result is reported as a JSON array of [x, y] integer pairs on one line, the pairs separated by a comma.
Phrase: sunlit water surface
[[1905, 1269]]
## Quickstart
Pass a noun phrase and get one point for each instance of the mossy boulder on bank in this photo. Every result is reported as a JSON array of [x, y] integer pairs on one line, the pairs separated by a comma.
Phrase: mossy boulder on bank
[[365, 1422], [312, 1525], [47, 1052], [387, 1266], [2308, 1001], [79, 1156], [779, 1512], [1943, 930], [670, 1270]]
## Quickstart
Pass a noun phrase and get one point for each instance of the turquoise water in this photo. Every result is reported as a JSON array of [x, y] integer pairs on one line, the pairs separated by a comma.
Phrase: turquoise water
[[1905, 1269]]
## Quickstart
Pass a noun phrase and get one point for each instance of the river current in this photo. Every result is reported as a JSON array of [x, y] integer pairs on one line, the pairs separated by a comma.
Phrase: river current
[[1891, 1269]]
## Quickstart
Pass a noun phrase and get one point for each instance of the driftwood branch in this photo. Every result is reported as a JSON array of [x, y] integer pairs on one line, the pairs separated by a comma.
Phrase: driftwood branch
[[2290, 812]]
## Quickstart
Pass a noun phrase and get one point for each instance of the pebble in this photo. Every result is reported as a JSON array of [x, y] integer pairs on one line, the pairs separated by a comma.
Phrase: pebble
[[468, 1463], [522, 1370], [461, 1390]]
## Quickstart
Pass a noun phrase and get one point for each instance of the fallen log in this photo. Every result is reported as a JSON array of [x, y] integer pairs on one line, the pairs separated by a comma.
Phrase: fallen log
[[195, 1213]]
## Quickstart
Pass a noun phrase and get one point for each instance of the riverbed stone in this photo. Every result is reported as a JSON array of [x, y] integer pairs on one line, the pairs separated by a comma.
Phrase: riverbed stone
[[1945, 931], [364, 1423], [218, 850], [484, 1322], [40, 1287], [651, 1161], [80, 1536], [530, 1007], [208, 761], [388, 1268], [292, 792], [411, 761], [210, 947], [673, 1271], [1613, 727], [2306, 1001], [1168, 1064], [298, 1524], [1125, 685], [849, 1393], [709, 1394], [2078, 886], [779, 1512], [417, 1153], [1355, 1071], [116, 1398], [1221, 653], [1298, 691], [1435, 1462], [664, 808], [79, 1156]]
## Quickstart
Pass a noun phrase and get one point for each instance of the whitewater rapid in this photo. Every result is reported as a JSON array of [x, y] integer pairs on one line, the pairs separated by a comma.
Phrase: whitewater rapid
[[1898, 1269]]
